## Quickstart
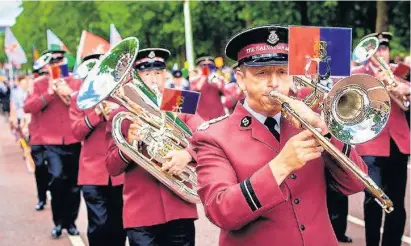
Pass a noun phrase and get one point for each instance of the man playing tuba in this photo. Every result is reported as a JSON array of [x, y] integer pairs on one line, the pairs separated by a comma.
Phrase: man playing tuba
[[152, 213]]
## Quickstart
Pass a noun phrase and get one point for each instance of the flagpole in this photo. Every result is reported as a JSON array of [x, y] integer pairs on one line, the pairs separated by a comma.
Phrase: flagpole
[[80, 47], [189, 35]]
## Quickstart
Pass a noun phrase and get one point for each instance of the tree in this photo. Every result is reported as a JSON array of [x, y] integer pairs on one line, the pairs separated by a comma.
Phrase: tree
[[381, 23]]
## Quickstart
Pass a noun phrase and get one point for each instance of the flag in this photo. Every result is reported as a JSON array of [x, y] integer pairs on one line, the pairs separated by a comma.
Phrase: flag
[[54, 43], [35, 53], [323, 43], [403, 71], [14, 51], [59, 71], [179, 101], [115, 37], [91, 44]]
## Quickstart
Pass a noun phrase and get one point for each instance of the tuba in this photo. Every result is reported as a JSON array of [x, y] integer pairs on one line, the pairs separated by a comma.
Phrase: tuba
[[365, 51], [161, 132], [355, 110]]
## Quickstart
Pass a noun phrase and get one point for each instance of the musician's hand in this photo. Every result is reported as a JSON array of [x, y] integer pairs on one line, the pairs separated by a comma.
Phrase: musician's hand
[[298, 150], [133, 130], [64, 90], [401, 89], [308, 114], [177, 160], [382, 76]]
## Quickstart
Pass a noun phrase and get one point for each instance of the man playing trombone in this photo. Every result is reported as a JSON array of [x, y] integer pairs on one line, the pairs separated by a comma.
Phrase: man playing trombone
[[387, 155], [262, 180], [49, 104]]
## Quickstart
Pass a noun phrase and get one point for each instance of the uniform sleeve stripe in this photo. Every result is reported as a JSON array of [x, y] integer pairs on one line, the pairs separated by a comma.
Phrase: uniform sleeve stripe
[[122, 157], [346, 150], [252, 193], [247, 196], [89, 125], [44, 100]]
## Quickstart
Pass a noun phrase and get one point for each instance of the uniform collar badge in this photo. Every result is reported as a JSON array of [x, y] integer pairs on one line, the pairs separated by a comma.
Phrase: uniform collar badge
[[246, 121]]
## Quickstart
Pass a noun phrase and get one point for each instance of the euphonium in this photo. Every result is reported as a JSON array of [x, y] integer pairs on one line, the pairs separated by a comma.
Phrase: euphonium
[[161, 132], [355, 110], [365, 51]]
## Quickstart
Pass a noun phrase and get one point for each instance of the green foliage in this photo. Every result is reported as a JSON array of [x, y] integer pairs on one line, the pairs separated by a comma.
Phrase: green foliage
[[161, 24]]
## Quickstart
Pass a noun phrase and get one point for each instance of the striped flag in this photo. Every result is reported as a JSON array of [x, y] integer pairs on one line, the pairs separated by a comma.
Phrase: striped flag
[[319, 42], [179, 101], [115, 37], [14, 51]]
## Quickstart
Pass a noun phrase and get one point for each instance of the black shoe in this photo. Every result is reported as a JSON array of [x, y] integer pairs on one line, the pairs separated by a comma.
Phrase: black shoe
[[56, 232], [72, 230], [40, 205], [344, 239]]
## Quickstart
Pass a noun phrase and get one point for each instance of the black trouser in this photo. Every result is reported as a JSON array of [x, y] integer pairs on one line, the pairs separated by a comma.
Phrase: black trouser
[[63, 161], [104, 212], [177, 232], [390, 174], [38, 152], [337, 210]]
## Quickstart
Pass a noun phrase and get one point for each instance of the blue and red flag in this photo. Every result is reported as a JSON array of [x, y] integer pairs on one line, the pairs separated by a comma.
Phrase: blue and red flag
[[179, 101], [59, 71], [319, 42]]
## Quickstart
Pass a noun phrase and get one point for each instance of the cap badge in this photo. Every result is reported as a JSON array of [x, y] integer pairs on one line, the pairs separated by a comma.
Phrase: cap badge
[[246, 121], [151, 55], [273, 38]]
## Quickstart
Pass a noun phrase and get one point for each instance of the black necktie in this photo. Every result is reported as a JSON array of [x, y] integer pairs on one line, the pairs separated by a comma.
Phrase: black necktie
[[270, 123]]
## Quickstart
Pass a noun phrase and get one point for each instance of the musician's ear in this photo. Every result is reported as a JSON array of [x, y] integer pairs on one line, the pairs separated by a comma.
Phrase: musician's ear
[[239, 76]]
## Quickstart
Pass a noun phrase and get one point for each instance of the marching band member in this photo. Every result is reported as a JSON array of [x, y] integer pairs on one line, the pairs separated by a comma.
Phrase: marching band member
[[62, 148], [210, 105], [102, 192], [232, 94], [38, 151], [152, 213], [261, 180], [386, 157]]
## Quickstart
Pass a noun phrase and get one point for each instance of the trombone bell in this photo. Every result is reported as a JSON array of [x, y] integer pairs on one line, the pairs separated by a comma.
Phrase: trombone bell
[[357, 109]]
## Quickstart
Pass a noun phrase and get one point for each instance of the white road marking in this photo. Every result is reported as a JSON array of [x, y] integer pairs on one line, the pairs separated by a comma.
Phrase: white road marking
[[76, 240]]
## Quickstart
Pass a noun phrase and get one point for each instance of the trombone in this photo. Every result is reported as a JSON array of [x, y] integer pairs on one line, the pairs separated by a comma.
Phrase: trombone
[[356, 110], [365, 51]]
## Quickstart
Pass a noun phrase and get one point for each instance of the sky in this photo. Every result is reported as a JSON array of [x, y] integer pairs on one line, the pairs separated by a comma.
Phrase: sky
[[9, 10]]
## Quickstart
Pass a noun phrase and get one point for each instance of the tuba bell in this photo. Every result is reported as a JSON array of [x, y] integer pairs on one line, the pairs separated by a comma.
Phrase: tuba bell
[[161, 132], [364, 52], [355, 110]]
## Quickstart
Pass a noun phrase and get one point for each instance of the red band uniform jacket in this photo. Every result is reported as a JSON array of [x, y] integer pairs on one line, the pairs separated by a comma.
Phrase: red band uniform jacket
[[53, 123], [90, 128], [242, 197], [146, 200], [210, 105], [397, 128]]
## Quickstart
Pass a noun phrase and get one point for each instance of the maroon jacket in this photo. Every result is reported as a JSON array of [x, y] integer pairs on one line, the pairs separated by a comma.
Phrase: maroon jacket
[[210, 105], [146, 201], [241, 196], [53, 123], [90, 128], [396, 128]]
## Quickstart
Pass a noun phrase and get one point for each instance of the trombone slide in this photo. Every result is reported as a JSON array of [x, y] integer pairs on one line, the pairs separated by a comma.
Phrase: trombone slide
[[381, 198]]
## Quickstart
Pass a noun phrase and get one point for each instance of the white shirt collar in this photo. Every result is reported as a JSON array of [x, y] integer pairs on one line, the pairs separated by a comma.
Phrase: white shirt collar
[[261, 118]]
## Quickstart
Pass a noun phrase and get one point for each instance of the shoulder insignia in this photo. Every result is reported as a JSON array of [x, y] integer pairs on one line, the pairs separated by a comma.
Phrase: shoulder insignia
[[207, 124]]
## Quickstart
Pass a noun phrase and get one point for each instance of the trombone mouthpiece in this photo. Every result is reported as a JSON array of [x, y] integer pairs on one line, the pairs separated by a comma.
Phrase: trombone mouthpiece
[[272, 94]]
